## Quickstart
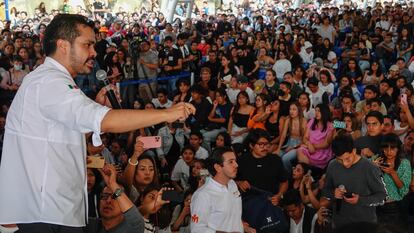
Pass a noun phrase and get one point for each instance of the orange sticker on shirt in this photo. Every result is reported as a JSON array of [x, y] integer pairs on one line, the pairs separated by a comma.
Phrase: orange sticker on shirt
[[194, 218]]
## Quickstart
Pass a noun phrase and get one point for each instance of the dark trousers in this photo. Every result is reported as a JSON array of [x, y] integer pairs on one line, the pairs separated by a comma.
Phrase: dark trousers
[[389, 213], [47, 228]]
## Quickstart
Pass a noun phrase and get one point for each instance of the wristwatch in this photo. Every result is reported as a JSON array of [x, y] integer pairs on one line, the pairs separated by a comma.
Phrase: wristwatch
[[118, 192]]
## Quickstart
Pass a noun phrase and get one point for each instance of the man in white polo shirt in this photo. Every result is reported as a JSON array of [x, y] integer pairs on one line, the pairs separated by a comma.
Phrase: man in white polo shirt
[[217, 206], [43, 168]]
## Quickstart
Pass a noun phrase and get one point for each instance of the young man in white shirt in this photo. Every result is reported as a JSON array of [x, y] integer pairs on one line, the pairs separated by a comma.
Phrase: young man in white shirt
[[217, 206], [243, 85], [44, 149], [315, 93], [303, 219], [162, 100], [196, 139]]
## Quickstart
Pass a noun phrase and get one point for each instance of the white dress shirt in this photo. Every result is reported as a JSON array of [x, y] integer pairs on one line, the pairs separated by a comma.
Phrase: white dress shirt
[[298, 228], [43, 169], [215, 207]]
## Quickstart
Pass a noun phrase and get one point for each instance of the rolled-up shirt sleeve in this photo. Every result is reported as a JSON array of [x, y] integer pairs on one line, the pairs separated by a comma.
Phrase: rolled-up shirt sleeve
[[62, 101]]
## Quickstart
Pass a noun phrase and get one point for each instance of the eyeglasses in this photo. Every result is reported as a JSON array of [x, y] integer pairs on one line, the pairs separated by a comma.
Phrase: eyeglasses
[[104, 196], [263, 144]]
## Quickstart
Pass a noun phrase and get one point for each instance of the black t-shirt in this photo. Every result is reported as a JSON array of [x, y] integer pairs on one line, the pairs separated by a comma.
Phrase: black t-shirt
[[263, 173], [214, 67], [248, 63], [172, 57], [284, 106], [200, 120]]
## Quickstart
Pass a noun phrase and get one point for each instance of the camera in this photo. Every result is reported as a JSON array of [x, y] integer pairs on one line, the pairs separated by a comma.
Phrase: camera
[[135, 47]]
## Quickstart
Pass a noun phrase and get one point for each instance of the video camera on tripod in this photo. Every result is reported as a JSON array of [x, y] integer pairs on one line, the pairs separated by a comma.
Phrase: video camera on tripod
[[135, 47]]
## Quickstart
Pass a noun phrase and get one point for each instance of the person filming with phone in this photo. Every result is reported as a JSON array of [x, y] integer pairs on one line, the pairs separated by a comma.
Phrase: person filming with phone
[[397, 177], [353, 183], [44, 149], [118, 213]]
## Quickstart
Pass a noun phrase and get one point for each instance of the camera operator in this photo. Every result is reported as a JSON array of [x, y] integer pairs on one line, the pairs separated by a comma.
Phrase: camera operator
[[147, 64]]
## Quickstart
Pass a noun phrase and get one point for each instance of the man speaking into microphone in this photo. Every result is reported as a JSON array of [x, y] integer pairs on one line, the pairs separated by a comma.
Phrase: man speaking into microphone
[[354, 183], [43, 168]]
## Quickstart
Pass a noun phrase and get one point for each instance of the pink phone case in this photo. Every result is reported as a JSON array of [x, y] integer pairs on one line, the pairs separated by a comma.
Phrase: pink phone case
[[151, 142]]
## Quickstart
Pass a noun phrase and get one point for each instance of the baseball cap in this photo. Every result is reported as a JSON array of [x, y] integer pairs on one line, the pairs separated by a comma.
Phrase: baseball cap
[[103, 29], [331, 56], [307, 45], [394, 68], [242, 79]]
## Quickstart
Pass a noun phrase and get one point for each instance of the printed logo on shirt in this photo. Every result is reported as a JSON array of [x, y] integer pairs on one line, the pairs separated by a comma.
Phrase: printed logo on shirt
[[269, 219], [73, 87], [194, 218]]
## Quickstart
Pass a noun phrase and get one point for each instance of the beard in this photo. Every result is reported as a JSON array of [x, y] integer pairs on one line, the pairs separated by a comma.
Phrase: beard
[[79, 65]]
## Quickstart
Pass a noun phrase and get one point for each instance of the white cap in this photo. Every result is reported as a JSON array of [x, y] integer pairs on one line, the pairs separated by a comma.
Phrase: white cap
[[331, 55], [307, 45]]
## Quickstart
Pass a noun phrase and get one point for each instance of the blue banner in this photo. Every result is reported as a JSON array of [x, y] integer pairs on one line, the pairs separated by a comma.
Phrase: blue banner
[[156, 79]]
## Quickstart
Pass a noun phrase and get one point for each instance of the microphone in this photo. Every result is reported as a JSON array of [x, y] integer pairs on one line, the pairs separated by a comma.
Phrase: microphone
[[339, 201], [101, 76]]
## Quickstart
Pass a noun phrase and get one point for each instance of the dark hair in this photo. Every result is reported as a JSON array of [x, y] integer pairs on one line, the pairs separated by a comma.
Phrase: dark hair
[[188, 147], [354, 120], [327, 74], [392, 140], [325, 117], [217, 158], [168, 38], [305, 167], [372, 88], [155, 179], [254, 136], [97, 188], [222, 92], [184, 81], [312, 81], [287, 84], [65, 27], [374, 100], [342, 144], [226, 137], [291, 197], [196, 133], [109, 63], [379, 70], [389, 117], [193, 180], [375, 114], [307, 97], [162, 91], [237, 105], [158, 219], [197, 88], [271, 71]]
